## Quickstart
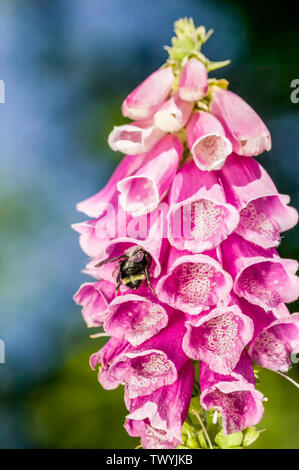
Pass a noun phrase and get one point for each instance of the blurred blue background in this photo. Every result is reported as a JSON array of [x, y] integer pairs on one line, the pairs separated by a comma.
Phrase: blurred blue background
[[67, 65]]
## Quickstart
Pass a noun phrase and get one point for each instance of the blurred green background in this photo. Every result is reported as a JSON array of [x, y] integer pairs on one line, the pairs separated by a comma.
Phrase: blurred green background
[[67, 65]]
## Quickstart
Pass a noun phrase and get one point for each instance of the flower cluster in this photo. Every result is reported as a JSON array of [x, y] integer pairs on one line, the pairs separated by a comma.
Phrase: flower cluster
[[182, 243]]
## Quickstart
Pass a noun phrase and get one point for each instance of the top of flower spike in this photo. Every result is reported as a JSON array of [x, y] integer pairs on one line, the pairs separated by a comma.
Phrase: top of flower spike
[[187, 43]]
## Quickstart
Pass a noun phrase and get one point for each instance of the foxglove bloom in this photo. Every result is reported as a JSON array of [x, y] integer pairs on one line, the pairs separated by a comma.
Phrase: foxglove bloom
[[207, 141], [146, 368], [193, 282], [105, 357], [245, 129], [158, 418], [234, 395], [273, 346], [89, 242], [264, 213], [199, 217], [96, 205], [218, 338], [142, 192], [94, 297], [145, 231], [193, 84], [182, 244], [138, 137], [136, 317], [260, 276], [173, 114], [149, 95]]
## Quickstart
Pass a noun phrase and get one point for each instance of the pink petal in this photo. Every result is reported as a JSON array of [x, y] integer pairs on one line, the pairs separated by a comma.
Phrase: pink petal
[[233, 395], [153, 364], [263, 211], [142, 192], [218, 338], [96, 205], [138, 137], [193, 282], [96, 234], [105, 357], [199, 217], [149, 95], [207, 141], [94, 298], [135, 318], [173, 114], [193, 84], [273, 345], [261, 318], [147, 231], [88, 240], [158, 418], [260, 276], [243, 126]]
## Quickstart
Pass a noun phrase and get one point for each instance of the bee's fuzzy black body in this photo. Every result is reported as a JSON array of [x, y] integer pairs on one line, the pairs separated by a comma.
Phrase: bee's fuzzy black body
[[133, 269]]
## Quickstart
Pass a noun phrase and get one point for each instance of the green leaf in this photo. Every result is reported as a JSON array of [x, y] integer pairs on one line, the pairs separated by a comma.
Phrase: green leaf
[[250, 435], [229, 441]]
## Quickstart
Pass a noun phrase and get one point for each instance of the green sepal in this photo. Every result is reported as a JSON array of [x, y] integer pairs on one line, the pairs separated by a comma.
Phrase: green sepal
[[211, 66], [229, 441], [250, 435]]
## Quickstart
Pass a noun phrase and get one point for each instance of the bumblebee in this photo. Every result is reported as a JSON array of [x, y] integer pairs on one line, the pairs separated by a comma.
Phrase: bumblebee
[[133, 267]]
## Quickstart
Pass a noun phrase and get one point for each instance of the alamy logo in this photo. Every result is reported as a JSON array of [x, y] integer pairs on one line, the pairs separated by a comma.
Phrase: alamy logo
[[295, 93], [2, 91], [295, 356], [2, 352]]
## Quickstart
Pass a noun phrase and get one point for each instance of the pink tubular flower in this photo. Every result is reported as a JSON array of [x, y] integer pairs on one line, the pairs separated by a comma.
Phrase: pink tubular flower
[[142, 192], [105, 357], [88, 240], [138, 137], [146, 231], [233, 395], [95, 234], [142, 102], [272, 347], [135, 317], [193, 282], [243, 126], [218, 338], [94, 298], [193, 84], [173, 114], [207, 141], [260, 276], [264, 213], [96, 205], [158, 418], [261, 318], [199, 217], [148, 367]]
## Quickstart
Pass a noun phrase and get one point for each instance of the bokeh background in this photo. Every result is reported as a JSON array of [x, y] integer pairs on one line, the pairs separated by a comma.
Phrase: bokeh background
[[67, 65]]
